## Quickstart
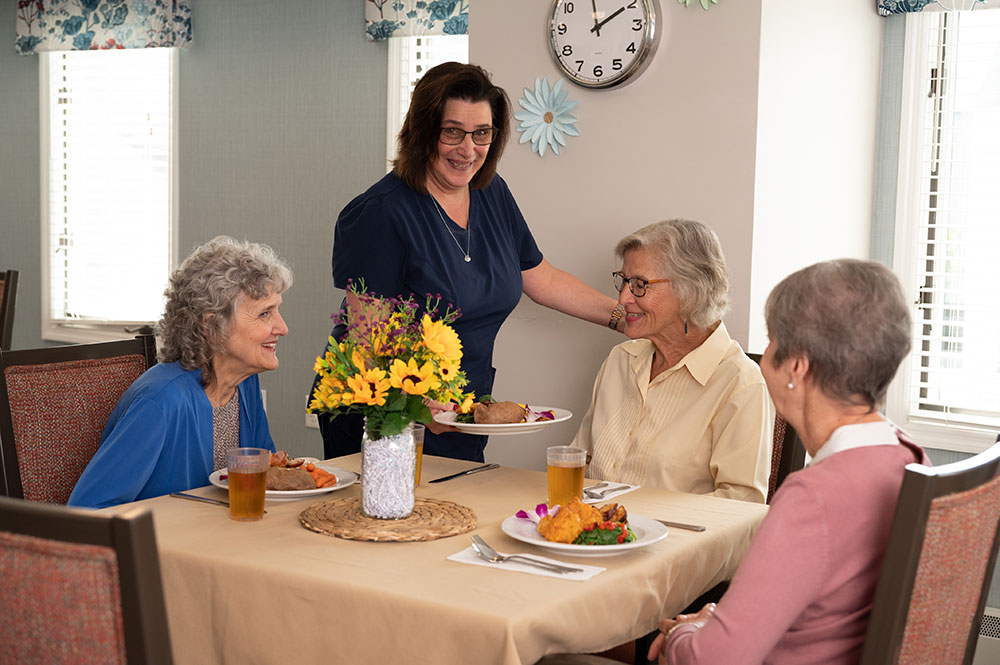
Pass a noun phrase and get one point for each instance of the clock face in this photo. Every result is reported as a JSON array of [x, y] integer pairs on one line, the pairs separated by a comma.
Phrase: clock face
[[602, 43]]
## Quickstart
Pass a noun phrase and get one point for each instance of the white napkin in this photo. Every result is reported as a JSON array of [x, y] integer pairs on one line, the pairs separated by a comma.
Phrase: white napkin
[[611, 495], [468, 555]]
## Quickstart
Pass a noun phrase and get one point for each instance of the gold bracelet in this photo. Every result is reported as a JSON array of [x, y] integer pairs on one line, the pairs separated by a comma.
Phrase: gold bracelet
[[616, 316]]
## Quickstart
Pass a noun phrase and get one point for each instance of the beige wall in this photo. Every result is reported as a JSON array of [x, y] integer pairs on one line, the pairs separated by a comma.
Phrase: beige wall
[[683, 140], [817, 114]]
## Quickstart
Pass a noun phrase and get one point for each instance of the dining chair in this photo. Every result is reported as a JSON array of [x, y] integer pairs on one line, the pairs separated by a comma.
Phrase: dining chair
[[54, 404], [937, 566], [8, 297], [80, 586], [787, 454]]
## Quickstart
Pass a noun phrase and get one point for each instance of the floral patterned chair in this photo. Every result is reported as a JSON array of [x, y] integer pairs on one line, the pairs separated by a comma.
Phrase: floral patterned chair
[[80, 586], [54, 403], [936, 572]]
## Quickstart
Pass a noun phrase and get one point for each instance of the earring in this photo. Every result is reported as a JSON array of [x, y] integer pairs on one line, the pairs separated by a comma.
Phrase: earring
[[685, 326], [791, 386]]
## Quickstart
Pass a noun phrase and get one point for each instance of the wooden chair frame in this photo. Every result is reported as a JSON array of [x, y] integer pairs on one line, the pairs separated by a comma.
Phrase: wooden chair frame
[[7, 301], [921, 485], [144, 345], [793, 453], [130, 534]]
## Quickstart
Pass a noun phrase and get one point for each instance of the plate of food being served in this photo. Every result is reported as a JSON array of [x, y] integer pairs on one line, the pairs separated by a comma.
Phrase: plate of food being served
[[295, 478], [580, 529], [488, 416]]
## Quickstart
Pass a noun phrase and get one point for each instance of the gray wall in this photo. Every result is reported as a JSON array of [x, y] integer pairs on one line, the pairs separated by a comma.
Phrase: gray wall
[[282, 122]]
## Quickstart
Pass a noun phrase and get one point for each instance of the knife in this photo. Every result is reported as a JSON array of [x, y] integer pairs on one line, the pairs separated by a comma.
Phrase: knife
[[205, 499], [681, 525], [475, 469]]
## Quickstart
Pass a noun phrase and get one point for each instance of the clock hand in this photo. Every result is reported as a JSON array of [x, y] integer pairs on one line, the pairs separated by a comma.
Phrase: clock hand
[[597, 27], [593, 3]]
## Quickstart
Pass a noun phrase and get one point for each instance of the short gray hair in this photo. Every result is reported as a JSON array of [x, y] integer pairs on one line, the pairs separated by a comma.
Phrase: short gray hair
[[210, 281], [850, 319], [689, 254]]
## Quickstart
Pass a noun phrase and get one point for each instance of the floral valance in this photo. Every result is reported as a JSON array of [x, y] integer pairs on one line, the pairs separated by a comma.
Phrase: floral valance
[[83, 25], [415, 18], [888, 7]]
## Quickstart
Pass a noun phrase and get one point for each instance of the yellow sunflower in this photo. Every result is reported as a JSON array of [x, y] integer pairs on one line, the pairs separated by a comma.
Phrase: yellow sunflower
[[448, 371], [412, 379], [441, 339], [466, 405], [370, 387]]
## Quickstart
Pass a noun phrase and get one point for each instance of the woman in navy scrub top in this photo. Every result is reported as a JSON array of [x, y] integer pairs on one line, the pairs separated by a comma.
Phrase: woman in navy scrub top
[[443, 222]]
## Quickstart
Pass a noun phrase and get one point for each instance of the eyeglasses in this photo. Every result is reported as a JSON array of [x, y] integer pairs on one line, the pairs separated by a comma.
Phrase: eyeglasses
[[456, 135], [635, 284]]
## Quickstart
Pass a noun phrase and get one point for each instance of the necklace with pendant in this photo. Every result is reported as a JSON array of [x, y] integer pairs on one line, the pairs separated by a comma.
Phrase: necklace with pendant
[[468, 240]]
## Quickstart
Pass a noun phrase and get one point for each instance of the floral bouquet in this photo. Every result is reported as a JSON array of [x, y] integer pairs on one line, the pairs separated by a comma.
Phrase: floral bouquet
[[389, 362]]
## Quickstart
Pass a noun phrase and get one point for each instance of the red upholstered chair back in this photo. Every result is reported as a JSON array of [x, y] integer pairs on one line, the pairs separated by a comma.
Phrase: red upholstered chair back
[[938, 563], [79, 587], [8, 297], [787, 453], [39, 575], [54, 404]]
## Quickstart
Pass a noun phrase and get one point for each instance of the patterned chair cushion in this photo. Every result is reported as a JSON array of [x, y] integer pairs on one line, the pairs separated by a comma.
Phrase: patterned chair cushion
[[61, 603], [777, 443], [958, 540], [59, 411]]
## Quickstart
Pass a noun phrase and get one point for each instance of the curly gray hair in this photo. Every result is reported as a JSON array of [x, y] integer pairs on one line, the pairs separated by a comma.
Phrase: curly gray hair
[[850, 319], [210, 281], [689, 254]]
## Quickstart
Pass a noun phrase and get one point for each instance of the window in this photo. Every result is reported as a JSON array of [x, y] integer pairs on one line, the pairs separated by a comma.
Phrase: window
[[108, 166], [948, 233], [409, 58]]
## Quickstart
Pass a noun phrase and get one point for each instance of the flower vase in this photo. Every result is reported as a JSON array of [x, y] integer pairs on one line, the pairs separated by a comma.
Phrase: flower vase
[[387, 474]]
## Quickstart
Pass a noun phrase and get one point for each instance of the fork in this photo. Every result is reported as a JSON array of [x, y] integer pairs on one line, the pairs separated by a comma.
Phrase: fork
[[600, 495], [487, 553]]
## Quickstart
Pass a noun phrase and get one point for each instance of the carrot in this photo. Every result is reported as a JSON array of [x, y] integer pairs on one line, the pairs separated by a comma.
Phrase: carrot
[[310, 467]]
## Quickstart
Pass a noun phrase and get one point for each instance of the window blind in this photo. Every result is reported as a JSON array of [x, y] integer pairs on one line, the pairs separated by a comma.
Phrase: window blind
[[955, 370], [409, 58], [108, 239]]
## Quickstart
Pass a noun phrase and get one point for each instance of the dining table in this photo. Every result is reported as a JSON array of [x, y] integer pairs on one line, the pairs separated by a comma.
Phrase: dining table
[[273, 591]]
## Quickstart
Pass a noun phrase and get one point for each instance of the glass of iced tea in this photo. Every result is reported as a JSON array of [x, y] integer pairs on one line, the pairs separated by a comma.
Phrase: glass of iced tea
[[247, 470], [418, 441], [565, 467]]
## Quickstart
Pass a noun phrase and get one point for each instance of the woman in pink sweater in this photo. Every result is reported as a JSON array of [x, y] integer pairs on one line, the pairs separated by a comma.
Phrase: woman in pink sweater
[[803, 593]]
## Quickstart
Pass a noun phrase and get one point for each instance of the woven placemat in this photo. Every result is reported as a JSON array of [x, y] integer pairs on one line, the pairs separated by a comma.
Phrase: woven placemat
[[431, 519]]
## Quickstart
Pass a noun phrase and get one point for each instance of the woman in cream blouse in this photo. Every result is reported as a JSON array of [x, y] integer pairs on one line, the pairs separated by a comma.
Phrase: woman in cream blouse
[[678, 406]]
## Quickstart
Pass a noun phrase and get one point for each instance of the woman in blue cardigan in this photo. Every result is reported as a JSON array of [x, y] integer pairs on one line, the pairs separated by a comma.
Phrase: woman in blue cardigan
[[172, 427]]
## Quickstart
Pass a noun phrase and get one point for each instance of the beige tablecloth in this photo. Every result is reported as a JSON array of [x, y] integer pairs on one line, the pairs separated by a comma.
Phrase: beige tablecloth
[[274, 592]]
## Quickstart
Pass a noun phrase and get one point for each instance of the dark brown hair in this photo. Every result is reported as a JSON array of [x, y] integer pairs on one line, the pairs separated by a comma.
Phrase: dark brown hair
[[418, 139]]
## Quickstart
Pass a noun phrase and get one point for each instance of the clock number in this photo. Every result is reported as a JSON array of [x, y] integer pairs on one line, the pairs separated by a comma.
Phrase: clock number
[[567, 50], [561, 28], [579, 65], [630, 48], [632, 4], [616, 64], [598, 72], [568, 8], [637, 24]]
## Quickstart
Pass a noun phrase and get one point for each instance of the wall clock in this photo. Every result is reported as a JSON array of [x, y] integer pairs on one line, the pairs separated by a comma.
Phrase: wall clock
[[603, 43]]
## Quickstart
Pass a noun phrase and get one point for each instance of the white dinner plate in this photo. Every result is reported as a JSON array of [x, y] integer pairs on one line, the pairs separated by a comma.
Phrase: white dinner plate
[[647, 531], [448, 418], [344, 478]]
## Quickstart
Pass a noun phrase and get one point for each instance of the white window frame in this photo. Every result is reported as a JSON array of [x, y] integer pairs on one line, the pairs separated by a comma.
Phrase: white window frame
[[96, 331], [400, 79], [942, 433]]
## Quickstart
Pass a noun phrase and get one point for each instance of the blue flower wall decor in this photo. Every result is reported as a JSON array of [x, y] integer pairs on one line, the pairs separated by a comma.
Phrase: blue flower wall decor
[[705, 4], [545, 120]]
